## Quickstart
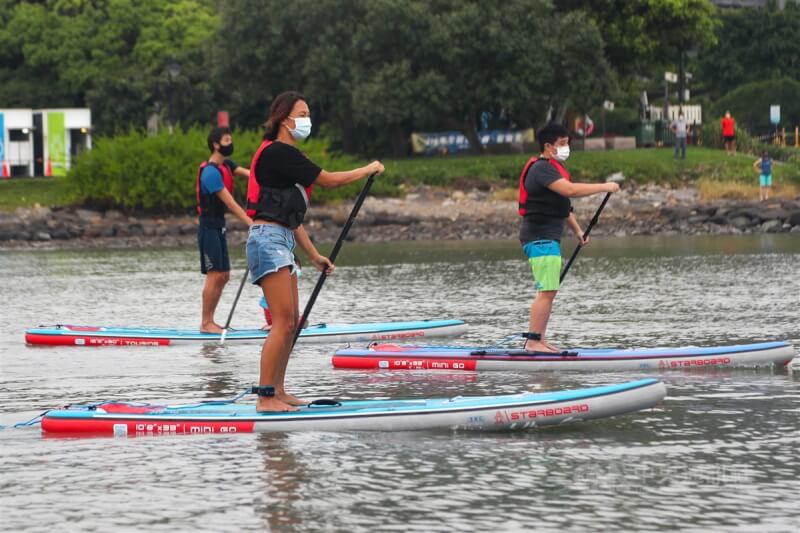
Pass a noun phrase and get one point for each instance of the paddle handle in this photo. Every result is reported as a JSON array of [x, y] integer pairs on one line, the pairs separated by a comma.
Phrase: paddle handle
[[334, 253], [586, 233]]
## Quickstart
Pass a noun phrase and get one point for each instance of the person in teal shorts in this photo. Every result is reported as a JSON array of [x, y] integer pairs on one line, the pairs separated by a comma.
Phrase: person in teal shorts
[[545, 188], [763, 166]]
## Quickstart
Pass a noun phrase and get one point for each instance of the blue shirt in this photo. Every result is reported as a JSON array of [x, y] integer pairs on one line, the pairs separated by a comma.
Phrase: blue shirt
[[211, 177]]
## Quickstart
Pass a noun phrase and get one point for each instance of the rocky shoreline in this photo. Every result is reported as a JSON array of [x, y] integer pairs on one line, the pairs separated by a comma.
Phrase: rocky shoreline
[[424, 214]]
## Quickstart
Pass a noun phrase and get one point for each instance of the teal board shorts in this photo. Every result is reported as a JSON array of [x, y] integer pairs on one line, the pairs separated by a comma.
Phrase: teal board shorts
[[545, 260], [765, 180]]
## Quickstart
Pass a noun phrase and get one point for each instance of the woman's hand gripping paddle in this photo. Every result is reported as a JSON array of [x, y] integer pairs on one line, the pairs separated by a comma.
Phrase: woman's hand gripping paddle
[[618, 177], [332, 257]]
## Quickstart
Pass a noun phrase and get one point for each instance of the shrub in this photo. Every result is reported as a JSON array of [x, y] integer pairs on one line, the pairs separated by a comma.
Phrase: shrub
[[749, 104], [136, 171], [711, 137]]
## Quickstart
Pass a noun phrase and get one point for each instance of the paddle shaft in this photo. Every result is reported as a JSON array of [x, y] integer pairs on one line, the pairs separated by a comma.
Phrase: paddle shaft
[[332, 257], [594, 220], [236, 300]]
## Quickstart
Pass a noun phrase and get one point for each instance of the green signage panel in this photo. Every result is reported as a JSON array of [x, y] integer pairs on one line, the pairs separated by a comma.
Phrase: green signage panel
[[56, 143]]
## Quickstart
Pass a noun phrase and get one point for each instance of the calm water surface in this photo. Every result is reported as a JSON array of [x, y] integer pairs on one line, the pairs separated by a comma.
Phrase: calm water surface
[[721, 453]]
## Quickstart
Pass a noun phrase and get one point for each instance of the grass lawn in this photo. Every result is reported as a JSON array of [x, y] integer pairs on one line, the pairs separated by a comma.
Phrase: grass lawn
[[25, 192], [643, 165], [710, 169]]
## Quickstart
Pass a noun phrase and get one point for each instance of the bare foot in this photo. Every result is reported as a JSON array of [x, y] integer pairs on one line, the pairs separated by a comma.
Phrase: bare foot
[[290, 399], [554, 348], [273, 405], [211, 328], [539, 346]]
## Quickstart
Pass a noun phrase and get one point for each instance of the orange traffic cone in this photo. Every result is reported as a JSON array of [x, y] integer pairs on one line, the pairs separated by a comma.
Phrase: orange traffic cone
[[6, 174], [48, 169]]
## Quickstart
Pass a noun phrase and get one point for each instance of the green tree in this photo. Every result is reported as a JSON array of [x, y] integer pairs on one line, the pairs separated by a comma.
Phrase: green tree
[[122, 58], [640, 34], [749, 104], [754, 45], [376, 69]]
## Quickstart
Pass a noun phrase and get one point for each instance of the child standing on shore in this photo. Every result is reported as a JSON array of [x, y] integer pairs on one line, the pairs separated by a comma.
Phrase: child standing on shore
[[763, 166]]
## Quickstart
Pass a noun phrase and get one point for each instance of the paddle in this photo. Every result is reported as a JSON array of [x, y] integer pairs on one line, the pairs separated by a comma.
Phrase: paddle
[[332, 257], [233, 307], [614, 177]]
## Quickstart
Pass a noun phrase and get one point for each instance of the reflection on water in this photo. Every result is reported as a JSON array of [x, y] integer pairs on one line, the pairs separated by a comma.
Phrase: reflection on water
[[719, 453]]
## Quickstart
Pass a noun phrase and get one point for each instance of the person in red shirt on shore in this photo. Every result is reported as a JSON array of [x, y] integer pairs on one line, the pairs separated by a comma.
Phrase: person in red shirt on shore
[[729, 133]]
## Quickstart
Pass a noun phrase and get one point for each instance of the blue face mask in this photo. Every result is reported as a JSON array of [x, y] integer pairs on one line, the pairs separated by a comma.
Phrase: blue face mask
[[302, 128]]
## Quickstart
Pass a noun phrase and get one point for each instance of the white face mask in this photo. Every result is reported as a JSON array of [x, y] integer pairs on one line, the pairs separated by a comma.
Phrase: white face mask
[[302, 128], [562, 153]]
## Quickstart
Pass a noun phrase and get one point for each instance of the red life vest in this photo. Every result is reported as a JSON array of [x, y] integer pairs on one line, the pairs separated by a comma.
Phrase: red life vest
[[286, 206], [210, 204], [548, 203]]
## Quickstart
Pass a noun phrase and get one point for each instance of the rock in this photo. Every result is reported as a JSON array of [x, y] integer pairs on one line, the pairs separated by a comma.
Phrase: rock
[[60, 234], [107, 231], [795, 229], [457, 195], [741, 222], [697, 219], [113, 214], [87, 215], [40, 212], [775, 213], [794, 218], [93, 231], [188, 229], [676, 213], [135, 230], [41, 236], [772, 226], [173, 229], [718, 219], [749, 212], [340, 217], [75, 231]]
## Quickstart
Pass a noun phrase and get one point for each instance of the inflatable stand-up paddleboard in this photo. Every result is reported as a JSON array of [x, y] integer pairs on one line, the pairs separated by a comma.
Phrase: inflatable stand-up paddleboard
[[397, 357], [483, 413], [65, 335]]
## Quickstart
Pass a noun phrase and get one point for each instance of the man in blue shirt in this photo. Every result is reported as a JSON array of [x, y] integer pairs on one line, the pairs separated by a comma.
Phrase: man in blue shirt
[[214, 190]]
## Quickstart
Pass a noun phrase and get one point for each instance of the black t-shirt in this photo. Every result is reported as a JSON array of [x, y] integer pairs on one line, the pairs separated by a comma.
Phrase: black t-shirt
[[540, 228], [282, 165]]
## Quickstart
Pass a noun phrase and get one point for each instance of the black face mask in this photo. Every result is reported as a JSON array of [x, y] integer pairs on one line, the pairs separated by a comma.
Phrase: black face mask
[[226, 149]]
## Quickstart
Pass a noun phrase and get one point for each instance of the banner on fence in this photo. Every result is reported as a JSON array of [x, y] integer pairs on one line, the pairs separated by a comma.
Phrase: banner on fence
[[453, 142]]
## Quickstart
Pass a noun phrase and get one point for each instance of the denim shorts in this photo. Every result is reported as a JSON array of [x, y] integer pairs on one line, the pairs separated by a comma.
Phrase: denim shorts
[[269, 248]]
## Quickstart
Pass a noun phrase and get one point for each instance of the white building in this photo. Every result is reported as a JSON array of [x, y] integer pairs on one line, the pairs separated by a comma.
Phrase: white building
[[42, 142]]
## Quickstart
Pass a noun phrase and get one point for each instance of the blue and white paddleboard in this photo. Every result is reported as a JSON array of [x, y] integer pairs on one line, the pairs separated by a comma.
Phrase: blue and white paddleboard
[[485, 413], [65, 335], [397, 357]]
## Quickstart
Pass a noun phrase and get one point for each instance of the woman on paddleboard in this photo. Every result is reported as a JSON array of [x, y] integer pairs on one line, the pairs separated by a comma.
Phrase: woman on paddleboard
[[281, 181]]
